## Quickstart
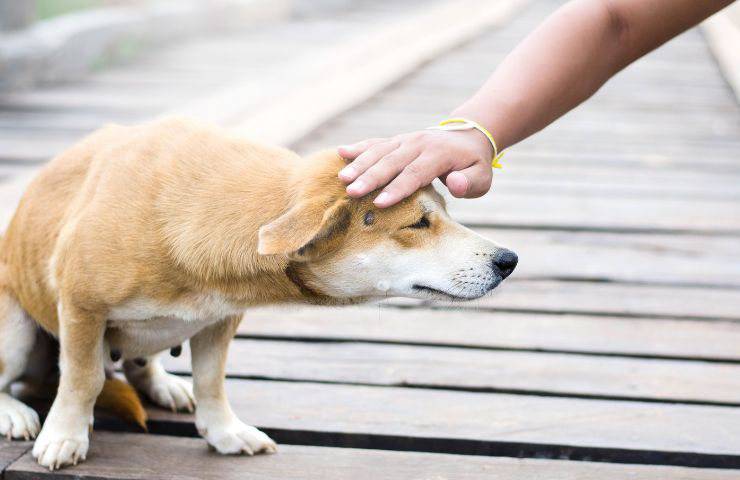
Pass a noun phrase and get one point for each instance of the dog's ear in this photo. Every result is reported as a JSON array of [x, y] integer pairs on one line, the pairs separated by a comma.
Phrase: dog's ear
[[306, 230]]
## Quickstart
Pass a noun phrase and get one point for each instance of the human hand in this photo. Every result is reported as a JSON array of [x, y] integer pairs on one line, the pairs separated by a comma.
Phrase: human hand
[[405, 163]]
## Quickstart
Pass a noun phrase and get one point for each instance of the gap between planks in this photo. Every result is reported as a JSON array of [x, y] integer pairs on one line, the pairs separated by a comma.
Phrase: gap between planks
[[600, 336], [123, 456], [373, 417], [542, 374], [163, 423], [490, 348]]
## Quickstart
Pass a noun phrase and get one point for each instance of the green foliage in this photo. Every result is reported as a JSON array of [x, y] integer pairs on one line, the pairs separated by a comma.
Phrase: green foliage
[[52, 8], [125, 50]]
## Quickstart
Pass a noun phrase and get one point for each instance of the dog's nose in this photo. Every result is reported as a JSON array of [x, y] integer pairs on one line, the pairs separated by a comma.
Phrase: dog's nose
[[505, 262]]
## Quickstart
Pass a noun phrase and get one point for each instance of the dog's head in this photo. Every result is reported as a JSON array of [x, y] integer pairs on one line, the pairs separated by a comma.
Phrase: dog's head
[[348, 250]]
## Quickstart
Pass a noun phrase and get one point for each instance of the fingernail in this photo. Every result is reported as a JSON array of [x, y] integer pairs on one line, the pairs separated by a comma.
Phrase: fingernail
[[347, 173], [356, 187], [345, 147], [382, 199]]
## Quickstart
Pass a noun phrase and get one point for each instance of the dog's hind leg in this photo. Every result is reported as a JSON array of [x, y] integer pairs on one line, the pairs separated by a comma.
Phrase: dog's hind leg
[[17, 338], [149, 377]]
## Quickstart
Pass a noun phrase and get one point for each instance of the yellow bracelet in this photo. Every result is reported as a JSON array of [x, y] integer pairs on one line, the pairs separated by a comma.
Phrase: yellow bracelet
[[465, 124]]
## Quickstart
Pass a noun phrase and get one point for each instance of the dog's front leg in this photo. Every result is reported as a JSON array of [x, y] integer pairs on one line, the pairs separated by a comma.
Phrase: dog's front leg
[[64, 437], [214, 417]]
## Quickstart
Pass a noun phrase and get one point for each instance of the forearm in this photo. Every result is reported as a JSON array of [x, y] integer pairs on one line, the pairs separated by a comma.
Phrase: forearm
[[555, 68], [570, 56]]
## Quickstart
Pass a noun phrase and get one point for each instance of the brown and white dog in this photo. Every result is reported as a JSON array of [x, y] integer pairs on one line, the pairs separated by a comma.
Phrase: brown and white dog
[[139, 238]]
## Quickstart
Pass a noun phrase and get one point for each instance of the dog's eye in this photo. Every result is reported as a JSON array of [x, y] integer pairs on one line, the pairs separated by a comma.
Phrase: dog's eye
[[422, 223]]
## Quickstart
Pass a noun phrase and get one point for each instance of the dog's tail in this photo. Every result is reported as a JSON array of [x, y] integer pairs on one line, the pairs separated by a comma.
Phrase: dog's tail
[[120, 399]]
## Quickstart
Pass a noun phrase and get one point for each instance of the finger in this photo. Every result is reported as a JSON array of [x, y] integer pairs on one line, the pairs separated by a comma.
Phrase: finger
[[386, 169], [350, 152], [366, 160], [471, 182], [417, 174]]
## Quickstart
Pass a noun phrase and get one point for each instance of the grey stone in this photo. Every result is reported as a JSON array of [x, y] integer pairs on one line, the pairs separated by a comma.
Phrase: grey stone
[[15, 14]]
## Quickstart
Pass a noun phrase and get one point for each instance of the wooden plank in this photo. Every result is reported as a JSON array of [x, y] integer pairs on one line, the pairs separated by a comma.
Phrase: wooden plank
[[32, 147], [694, 433], [554, 210], [615, 299], [532, 154], [518, 331], [53, 121], [11, 192], [675, 259], [10, 452], [481, 370], [619, 181], [121, 456], [76, 96]]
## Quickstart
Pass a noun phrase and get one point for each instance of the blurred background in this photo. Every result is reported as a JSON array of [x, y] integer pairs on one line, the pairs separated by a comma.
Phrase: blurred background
[[616, 340]]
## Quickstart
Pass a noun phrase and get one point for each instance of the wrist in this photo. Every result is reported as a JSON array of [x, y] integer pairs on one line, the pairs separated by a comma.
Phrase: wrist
[[466, 124], [480, 142], [489, 121]]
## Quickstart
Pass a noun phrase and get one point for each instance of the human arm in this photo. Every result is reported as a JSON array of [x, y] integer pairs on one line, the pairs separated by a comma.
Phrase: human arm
[[555, 68]]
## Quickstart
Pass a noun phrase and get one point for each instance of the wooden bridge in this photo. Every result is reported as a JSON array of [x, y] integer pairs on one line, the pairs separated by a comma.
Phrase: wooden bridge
[[613, 351]]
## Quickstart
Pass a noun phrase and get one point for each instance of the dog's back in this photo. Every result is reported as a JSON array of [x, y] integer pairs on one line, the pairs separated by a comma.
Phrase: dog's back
[[42, 211]]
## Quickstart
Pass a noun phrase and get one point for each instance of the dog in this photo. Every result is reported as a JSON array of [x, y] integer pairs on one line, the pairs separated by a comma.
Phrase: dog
[[139, 238]]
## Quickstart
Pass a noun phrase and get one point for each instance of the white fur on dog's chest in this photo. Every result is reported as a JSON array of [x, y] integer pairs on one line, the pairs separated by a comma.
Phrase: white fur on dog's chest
[[144, 326]]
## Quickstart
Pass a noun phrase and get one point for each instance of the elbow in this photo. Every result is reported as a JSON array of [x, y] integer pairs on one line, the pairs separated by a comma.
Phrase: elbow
[[617, 23]]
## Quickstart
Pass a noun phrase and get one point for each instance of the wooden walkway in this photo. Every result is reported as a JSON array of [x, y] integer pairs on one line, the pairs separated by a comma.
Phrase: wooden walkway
[[613, 352]]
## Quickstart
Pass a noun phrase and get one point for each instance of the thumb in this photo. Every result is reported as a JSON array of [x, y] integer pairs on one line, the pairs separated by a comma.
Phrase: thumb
[[470, 182]]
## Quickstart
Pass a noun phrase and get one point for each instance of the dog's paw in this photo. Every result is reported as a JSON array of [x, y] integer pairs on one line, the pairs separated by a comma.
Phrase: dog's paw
[[17, 421], [170, 391], [56, 450], [237, 437]]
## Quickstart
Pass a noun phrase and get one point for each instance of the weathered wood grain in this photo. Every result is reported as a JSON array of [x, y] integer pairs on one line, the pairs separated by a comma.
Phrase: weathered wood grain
[[485, 417], [33, 147], [60, 120], [461, 368], [523, 331], [618, 182], [10, 452], [721, 161], [130, 456], [615, 299], [680, 259]]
